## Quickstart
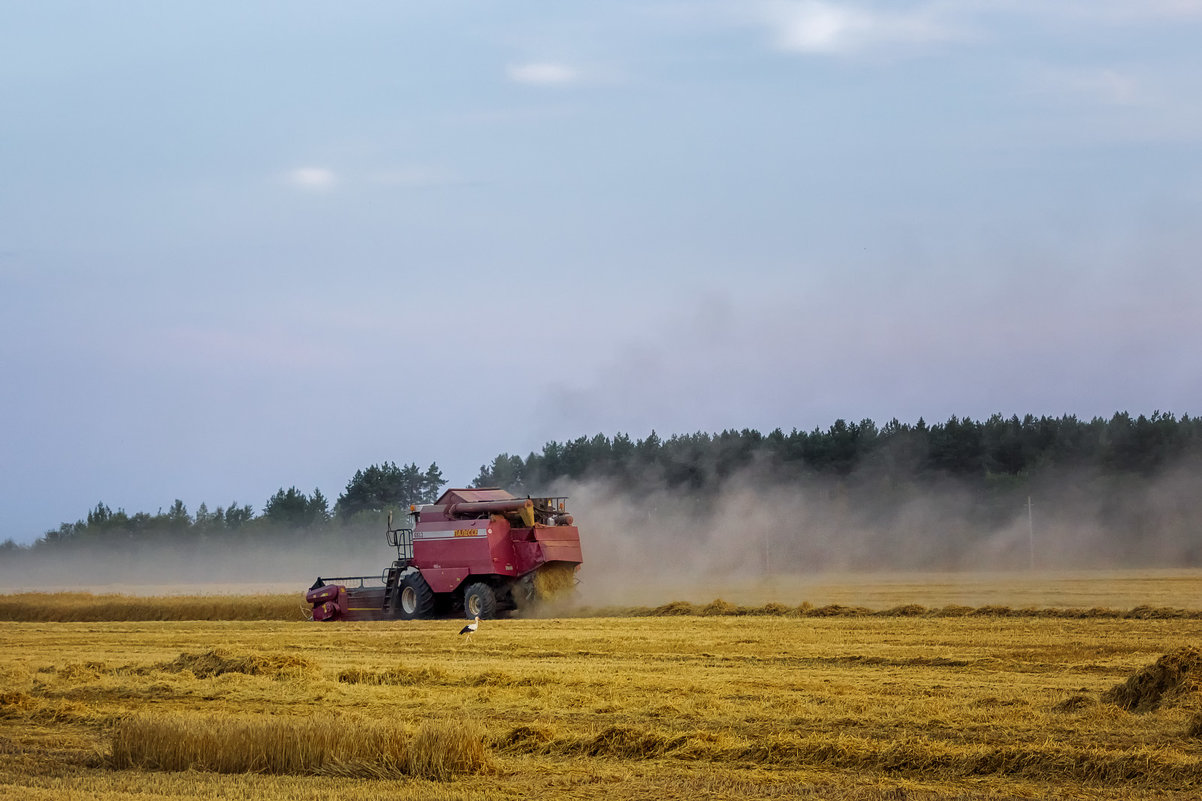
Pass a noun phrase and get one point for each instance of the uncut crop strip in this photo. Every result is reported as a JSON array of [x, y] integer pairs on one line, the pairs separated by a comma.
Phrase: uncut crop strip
[[85, 607], [77, 607], [321, 744]]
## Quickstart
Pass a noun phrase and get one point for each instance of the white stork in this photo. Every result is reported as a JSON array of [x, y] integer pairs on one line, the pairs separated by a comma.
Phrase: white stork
[[470, 628]]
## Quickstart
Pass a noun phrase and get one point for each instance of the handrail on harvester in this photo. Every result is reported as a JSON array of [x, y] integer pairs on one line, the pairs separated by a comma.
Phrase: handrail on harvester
[[400, 538]]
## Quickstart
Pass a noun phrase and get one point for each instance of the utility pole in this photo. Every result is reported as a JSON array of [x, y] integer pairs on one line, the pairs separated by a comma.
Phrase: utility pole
[[1030, 534]]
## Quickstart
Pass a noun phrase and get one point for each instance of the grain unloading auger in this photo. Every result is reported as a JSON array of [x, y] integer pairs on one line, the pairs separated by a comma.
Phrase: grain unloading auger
[[475, 551]]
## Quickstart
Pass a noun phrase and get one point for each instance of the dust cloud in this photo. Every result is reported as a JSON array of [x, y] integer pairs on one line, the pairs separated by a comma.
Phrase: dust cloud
[[275, 565], [754, 541]]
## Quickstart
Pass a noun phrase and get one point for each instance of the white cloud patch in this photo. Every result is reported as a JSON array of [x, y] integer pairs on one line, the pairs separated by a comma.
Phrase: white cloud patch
[[312, 177], [413, 176], [542, 73], [813, 26], [837, 27]]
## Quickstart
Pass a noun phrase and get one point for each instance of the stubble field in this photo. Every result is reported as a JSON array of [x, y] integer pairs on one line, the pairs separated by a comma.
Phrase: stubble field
[[918, 703]]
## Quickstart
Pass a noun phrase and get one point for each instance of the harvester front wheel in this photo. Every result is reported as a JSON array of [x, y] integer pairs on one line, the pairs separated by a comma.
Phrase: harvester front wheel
[[414, 598], [479, 600]]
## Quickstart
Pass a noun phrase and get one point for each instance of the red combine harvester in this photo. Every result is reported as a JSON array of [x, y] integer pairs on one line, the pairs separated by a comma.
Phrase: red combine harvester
[[479, 551]]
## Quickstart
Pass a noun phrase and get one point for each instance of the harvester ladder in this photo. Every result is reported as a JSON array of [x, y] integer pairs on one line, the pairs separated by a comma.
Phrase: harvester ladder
[[390, 582], [402, 540]]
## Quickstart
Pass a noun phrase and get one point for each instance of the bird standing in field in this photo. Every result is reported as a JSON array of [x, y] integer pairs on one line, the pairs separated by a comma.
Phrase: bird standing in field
[[470, 629]]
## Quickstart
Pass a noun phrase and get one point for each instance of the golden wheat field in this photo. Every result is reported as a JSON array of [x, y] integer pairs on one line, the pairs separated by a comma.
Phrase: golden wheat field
[[700, 701]]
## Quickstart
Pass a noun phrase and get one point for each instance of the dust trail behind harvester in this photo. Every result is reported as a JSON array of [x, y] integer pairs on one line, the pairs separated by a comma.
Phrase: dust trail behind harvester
[[853, 542]]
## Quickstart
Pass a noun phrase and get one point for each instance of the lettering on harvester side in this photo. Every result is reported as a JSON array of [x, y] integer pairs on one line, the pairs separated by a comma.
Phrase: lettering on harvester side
[[466, 532]]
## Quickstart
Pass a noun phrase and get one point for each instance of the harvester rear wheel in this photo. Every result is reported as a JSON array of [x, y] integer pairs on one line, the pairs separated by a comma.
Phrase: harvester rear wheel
[[479, 600], [414, 598]]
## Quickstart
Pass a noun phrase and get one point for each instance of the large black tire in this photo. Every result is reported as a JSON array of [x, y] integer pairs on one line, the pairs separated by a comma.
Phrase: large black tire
[[479, 600], [414, 599]]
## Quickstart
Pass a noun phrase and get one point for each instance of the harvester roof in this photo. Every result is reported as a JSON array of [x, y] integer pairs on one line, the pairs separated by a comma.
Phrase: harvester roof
[[472, 495]]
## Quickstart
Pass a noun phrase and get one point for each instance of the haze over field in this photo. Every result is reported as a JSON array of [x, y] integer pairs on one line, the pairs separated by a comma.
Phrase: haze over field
[[851, 541], [245, 248]]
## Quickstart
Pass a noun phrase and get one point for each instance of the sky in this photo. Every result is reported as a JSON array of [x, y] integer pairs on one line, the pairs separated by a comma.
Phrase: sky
[[245, 247]]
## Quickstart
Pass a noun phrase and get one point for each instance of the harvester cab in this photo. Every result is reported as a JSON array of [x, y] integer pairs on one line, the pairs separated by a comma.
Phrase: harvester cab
[[477, 552]]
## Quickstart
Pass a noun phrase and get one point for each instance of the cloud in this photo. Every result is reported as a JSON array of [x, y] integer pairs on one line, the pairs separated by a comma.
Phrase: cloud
[[412, 176], [813, 26], [312, 177], [830, 27], [542, 73]]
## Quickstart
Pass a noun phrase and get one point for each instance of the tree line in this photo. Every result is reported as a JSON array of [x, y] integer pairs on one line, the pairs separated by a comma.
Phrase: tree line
[[368, 494], [999, 457], [997, 449]]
